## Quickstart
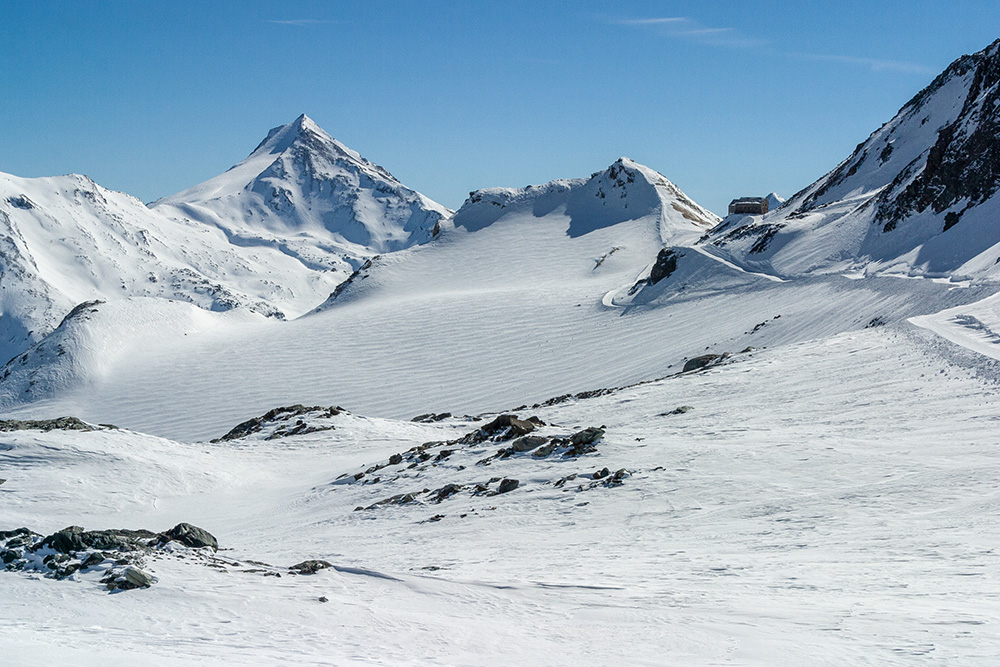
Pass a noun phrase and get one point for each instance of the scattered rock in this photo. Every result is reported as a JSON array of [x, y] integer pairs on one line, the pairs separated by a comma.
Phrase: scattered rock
[[191, 536], [258, 424], [527, 443], [323, 598], [395, 459], [544, 450], [136, 578], [446, 491], [508, 485], [59, 424], [703, 361], [678, 410], [601, 474], [431, 417], [310, 566]]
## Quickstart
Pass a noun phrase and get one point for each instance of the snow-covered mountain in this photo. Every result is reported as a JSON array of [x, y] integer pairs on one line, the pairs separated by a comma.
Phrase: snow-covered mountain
[[624, 191], [316, 199], [274, 235], [921, 196]]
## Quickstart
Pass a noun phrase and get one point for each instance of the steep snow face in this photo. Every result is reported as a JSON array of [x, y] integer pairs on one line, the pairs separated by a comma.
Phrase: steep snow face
[[275, 234], [920, 196], [624, 191], [318, 200], [66, 240]]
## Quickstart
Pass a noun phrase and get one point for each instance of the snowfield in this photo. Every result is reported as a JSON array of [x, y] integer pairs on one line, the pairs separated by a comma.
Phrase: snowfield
[[328, 421], [829, 503]]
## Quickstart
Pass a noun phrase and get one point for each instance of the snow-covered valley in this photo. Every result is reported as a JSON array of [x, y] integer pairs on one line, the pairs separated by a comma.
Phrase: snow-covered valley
[[326, 420]]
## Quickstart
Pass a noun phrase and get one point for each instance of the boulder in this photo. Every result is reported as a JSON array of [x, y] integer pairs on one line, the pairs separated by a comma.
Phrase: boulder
[[527, 443], [66, 541], [135, 578], [697, 363], [310, 566], [508, 485], [190, 536]]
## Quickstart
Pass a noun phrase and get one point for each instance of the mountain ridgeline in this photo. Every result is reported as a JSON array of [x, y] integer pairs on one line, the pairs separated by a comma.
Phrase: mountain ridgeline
[[918, 197]]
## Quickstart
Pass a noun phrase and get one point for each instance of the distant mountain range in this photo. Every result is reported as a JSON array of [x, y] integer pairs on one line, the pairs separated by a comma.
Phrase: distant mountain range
[[106, 299]]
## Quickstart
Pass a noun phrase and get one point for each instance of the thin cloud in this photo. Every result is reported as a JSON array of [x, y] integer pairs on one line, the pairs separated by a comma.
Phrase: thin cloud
[[874, 64], [301, 22], [653, 21], [678, 27], [681, 27]]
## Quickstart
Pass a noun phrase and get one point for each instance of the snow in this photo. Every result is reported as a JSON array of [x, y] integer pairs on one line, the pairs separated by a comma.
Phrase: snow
[[832, 226], [824, 492], [807, 509]]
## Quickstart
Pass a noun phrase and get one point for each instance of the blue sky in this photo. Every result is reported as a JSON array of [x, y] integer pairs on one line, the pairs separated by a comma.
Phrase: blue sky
[[724, 98]]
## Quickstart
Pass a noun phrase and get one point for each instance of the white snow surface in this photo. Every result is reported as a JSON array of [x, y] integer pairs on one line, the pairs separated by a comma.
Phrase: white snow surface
[[832, 227], [517, 311], [275, 234], [827, 503]]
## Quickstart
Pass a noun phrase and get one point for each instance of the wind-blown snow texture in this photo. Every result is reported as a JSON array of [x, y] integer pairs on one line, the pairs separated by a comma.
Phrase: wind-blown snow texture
[[275, 234], [820, 487]]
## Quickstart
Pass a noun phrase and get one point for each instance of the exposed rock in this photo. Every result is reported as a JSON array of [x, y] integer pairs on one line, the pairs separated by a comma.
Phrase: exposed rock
[[697, 363], [257, 424], [60, 423], [190, 536], [431, 417], [527, 443], [503, 427], [136, 578], [665, 264], [544, 450], [310, 566], [602, 473], [446, 491], [508, 485]]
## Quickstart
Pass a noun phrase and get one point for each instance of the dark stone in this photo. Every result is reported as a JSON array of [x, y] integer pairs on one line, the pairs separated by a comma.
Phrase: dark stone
[[323, 599], [9, 556], [60, 423], [508, 485], [446, 491], [66, 540], [257, 424], [135, 578], [587, 436], [544, 450], [527, 443], [395, 459], [7, 534], [310, 566], [665, 264], [95, 558], [602, 473], [431, 417], [190, 536], [698, 363]]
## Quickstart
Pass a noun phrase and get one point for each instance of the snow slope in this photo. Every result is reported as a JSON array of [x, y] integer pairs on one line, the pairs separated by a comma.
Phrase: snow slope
[[66, 240], [515, 311], [307, 194], [920, 196], [806, 510]]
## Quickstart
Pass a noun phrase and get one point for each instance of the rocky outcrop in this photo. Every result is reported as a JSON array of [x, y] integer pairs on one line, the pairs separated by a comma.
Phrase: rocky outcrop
[[284, 421], [58, 424], [116, 555]]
